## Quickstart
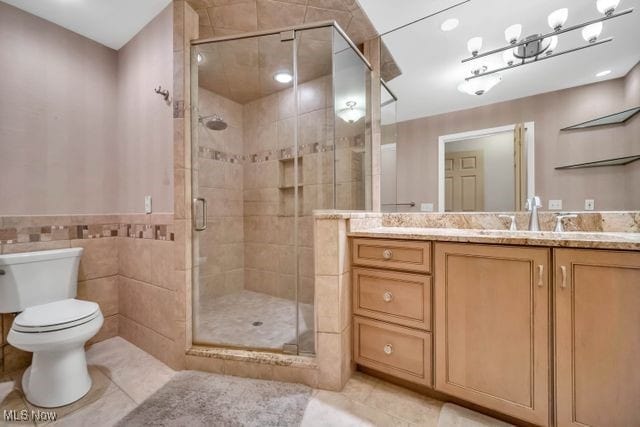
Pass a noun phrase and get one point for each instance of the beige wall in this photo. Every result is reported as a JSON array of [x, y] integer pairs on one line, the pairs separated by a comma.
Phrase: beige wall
[[57, 119], [612, 188], [145, 128], [81, 130]]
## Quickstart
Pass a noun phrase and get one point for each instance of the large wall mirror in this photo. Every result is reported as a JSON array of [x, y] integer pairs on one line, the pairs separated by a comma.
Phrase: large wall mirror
[[535, 107]]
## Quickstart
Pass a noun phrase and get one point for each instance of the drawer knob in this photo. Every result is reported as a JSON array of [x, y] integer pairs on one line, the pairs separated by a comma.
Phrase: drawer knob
[[388, 349], [387, 296], [387, 254]]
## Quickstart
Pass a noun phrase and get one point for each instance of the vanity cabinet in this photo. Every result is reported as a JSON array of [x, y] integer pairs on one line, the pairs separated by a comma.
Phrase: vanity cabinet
[[491, 310], [597, 337]]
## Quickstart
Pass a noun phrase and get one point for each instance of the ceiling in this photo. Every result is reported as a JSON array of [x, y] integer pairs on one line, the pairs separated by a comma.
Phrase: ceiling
[[430, 59], [112, 23]]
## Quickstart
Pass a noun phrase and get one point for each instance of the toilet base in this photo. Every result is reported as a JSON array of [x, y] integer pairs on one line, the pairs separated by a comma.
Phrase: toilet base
[[57, 378]]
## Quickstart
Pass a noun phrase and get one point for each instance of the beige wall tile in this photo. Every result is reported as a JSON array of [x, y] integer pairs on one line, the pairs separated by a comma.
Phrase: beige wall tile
[[14, 359], [292, 374], [34, 246], [103, 291], [163, 272], [135, 258], [238, 16], [327, 304], [152, 342], [327, 248], [274, 14], [109, 330], [206, 364], [243, 369], [99, 259], [148, 305]]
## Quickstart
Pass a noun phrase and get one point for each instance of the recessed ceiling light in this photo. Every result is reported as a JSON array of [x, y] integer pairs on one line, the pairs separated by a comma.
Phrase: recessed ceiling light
[[283, 77], [200, 58], [603, 73], [449, 24]]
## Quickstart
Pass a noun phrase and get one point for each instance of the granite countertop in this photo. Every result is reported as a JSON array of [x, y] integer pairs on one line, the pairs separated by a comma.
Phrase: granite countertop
[[568, 239]]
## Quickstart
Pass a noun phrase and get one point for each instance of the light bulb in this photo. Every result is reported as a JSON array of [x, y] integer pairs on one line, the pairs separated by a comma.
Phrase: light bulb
[[553, 43], [607, 7], [603, 73], [474, 45], [199, 58], [512, 33], [591, 32], [351, 114], [508, 57], [557, 18]]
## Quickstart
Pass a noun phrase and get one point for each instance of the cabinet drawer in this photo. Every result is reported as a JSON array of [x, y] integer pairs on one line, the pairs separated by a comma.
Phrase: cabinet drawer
[[394, 254], [395, 350], [392, 296]]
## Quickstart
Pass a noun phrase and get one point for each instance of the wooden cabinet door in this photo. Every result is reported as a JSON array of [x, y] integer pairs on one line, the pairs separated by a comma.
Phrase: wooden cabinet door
[[492, 328], [597, 338]]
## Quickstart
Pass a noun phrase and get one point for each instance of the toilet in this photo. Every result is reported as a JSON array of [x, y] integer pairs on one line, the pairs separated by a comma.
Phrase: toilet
[[52, 324]]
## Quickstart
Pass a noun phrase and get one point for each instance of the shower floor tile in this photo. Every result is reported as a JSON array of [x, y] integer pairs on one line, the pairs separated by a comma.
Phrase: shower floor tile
[[254, 320]]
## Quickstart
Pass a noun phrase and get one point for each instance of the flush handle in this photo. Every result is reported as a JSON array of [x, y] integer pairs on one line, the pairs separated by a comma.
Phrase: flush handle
[[388, 349], [387, 296], [387, 254], [2, 273]]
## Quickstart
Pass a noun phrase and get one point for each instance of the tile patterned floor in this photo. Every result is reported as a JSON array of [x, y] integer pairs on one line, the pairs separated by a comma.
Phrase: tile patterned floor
[[229, 320], [124, 376]]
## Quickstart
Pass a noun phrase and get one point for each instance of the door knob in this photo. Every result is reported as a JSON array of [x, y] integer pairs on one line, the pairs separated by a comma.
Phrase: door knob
[[387, 254], [388, 349], [387, 296]]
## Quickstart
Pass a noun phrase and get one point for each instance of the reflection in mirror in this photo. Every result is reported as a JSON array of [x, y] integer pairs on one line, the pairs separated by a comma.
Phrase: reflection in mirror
[[548, 79], [388, 183]]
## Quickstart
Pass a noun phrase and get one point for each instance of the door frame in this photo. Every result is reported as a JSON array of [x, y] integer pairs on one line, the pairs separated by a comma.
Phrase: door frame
[[529, 147]]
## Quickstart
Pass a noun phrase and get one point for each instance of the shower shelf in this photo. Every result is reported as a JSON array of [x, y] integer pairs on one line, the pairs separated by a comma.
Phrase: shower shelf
[[290, 187]]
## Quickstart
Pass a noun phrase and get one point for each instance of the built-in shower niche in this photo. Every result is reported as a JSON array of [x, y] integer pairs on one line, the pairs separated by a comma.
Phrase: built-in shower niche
[[287, 185]]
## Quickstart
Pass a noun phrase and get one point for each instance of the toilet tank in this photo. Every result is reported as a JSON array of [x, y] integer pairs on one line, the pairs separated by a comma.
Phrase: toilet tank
[[33, 278]]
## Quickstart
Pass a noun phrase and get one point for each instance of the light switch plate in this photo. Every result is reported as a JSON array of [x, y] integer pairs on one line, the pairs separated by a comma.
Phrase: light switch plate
[[555, 205], [589, 204], [426, 207], [147, 204]]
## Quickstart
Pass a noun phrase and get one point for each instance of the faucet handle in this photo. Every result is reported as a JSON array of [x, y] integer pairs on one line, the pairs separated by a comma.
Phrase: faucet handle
[[559, 228], [512, 226]]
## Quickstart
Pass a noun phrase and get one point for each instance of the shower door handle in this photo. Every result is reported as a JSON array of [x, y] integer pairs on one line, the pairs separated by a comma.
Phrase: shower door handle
[[203, 225]]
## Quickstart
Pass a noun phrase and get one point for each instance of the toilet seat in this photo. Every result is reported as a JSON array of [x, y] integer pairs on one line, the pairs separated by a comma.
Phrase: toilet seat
[[55, 316]]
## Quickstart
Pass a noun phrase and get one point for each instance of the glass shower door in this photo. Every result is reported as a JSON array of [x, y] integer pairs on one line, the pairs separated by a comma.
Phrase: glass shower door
[[245, 188]]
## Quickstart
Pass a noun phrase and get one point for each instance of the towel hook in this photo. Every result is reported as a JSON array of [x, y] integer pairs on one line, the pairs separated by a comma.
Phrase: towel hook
[[164, 93]]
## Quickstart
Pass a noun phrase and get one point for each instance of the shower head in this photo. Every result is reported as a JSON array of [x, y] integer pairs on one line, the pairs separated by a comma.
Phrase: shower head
[[213, 122]]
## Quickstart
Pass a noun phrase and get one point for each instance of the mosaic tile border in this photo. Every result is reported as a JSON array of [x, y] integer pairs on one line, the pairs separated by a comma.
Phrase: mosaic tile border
[[279, 154], [51, 233]]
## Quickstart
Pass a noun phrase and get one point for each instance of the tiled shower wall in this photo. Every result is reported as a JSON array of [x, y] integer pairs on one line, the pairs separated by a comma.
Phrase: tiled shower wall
[[220, 248], [269, 125]]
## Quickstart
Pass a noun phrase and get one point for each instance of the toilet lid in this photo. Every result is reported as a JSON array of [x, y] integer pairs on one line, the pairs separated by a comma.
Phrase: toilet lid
[[55, 315]]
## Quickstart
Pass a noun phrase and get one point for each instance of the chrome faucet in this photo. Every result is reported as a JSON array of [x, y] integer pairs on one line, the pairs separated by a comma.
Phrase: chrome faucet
[[532, 205]]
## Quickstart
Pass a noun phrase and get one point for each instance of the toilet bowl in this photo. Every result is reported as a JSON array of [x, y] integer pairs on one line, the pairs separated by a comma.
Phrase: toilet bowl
[[56, 334], [52, 324]]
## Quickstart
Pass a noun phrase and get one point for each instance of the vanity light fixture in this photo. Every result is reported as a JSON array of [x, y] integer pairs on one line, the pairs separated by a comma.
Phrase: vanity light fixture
[[603, 73], [283, 77], [538, 47], [351, 114], [480, 86], [512, 33], [449, 24], [557, 18], [474, 45], [591, 32], [607, 7]]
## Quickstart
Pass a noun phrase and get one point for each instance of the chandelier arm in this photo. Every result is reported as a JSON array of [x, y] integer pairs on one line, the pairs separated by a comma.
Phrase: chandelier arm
[[553, 33], [497, 70]]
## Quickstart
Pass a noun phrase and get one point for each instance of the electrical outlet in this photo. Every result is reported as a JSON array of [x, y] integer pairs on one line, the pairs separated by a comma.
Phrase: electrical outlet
[[426, 207], [555, 205], [589, 204], [147, 204]]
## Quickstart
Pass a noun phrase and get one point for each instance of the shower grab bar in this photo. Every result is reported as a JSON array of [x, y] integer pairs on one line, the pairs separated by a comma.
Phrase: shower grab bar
[[204, 214]]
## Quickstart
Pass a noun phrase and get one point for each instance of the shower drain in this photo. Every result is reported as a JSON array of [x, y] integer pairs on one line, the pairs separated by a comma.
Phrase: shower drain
[[257, 323]]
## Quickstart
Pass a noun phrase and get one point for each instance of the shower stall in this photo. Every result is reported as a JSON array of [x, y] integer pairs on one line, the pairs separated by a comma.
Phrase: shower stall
[[280, 128]]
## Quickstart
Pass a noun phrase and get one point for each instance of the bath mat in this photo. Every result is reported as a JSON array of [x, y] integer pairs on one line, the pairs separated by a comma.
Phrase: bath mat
[[201, 399]]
